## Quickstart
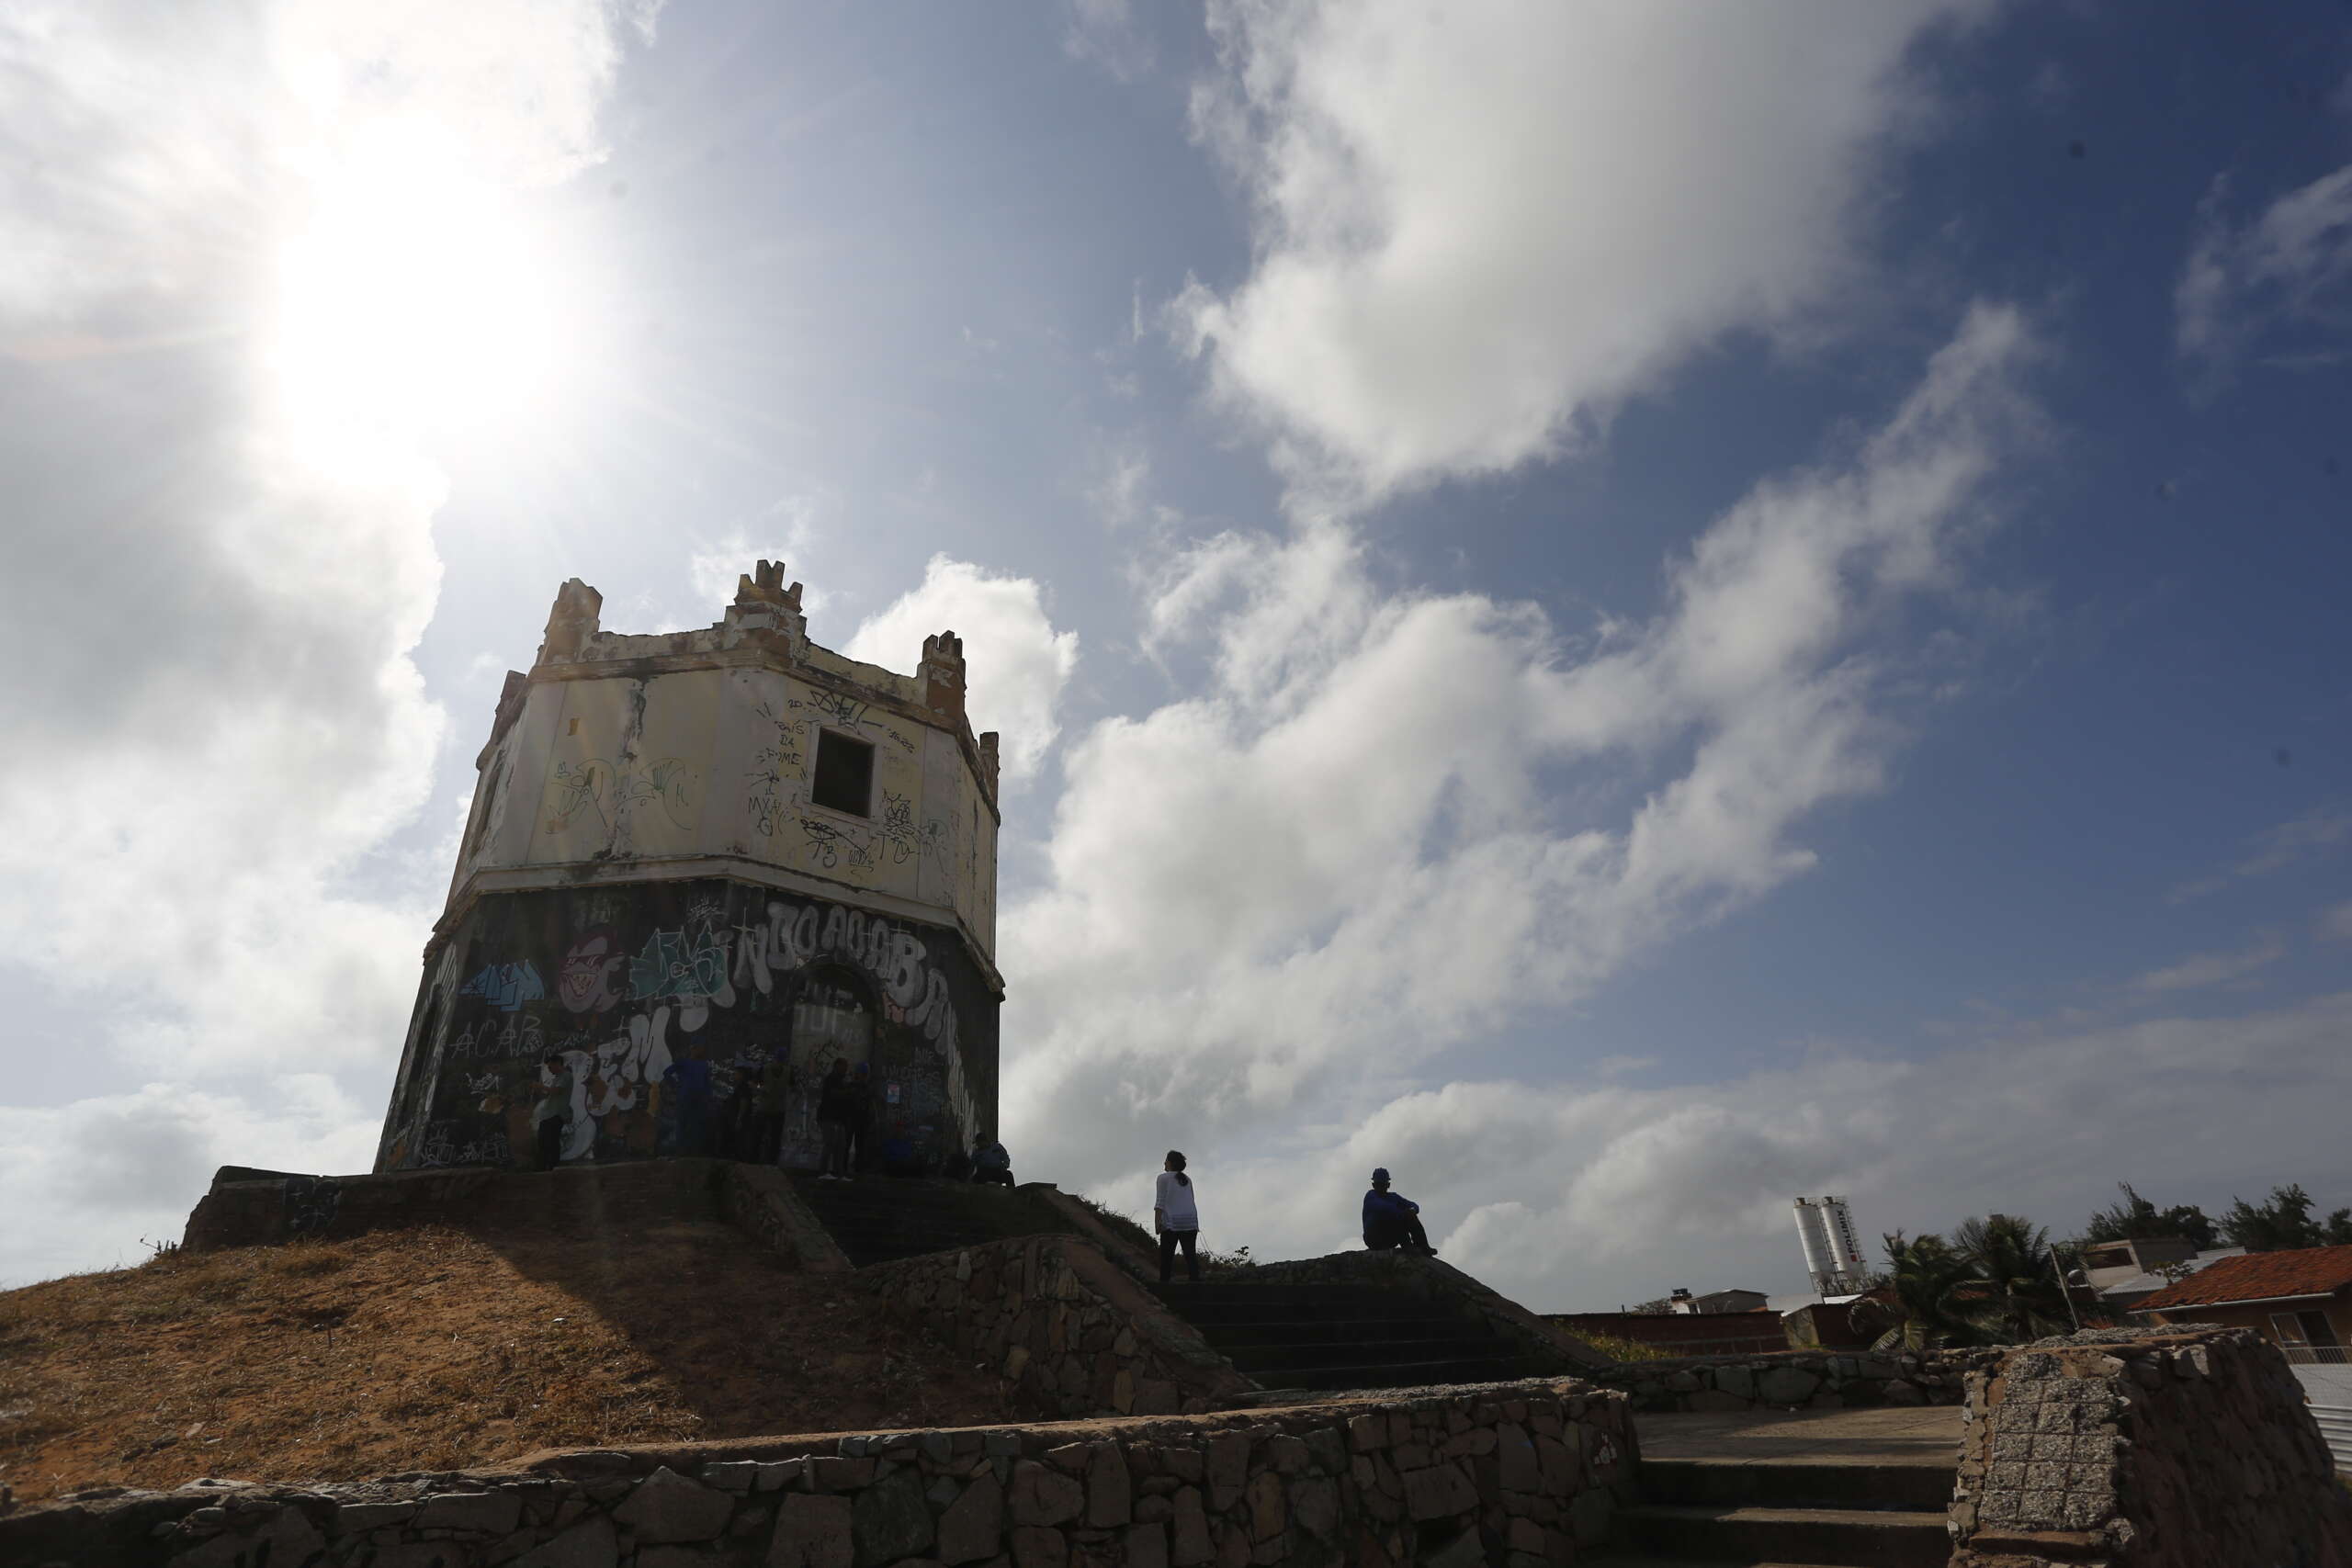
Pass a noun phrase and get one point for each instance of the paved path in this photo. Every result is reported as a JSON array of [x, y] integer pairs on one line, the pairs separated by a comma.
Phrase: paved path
[[1885, 1436]]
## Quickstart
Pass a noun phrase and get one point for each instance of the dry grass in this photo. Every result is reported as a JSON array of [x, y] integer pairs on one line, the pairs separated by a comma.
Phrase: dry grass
[[1621, 1349], [434, 1347]]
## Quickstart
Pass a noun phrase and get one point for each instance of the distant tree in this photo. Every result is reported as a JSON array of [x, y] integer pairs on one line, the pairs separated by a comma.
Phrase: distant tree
[[2022, 1295], [1930, 1285], [2136, 1218], [2281, 1223], [1660, 1307], [2338, 1232]]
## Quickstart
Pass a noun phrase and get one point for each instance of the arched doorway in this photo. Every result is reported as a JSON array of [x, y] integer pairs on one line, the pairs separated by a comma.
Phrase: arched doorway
[[832, 1017]]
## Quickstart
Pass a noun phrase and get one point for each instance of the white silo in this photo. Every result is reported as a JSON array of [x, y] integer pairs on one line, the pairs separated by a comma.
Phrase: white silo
[[1844, 1242], [1820, 1258]]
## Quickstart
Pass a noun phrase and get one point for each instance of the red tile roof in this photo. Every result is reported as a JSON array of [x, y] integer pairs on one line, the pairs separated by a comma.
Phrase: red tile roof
[[2258, 1275]]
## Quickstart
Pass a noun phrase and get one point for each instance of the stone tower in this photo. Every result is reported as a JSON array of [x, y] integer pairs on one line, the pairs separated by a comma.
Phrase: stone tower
[[694, 853]]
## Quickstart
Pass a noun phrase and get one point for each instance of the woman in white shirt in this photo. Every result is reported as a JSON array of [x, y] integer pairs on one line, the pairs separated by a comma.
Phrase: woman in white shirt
[[1176, 1217]]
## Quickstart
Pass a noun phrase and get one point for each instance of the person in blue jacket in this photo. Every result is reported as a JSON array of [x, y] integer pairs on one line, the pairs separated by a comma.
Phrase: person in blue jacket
[[1391, 1221]]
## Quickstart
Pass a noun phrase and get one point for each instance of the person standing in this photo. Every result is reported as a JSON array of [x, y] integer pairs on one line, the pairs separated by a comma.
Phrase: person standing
[[857, 1108], [1391, 1221], [554, 1108], [1176, 1216], [832, 1121], [771, 1092]]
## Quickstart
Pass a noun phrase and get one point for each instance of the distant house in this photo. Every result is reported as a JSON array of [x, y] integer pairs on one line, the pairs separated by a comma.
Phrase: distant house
[[1719, 1301], [2301, 1301], [2126, 1273]]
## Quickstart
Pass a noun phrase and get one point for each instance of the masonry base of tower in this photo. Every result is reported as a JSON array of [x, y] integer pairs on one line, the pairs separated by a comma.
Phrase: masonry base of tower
[[666, 1001]]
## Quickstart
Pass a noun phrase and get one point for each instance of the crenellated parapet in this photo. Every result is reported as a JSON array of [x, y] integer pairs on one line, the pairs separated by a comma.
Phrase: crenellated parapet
[[729, 841]]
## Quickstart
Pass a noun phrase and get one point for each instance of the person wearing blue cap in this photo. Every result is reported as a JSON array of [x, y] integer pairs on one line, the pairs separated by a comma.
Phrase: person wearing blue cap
[[1391, 1221]]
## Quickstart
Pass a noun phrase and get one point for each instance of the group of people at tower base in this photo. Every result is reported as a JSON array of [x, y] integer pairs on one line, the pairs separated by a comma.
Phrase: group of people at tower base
[[844, 1119]]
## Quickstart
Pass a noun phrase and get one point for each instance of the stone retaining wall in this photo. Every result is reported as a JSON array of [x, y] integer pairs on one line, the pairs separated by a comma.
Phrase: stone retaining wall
[[2149, 1450], [1518, 1474], [267, 1208], [1815, 1379], [1070, 1331], [1448, 1290]]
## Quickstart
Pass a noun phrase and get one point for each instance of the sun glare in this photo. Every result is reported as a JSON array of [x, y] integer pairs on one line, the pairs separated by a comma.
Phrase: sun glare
[[417, 297]]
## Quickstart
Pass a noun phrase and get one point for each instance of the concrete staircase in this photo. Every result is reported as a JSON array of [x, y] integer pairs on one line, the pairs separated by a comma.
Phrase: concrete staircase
[[1342, 1336], [882, 1219], [1737, 1513]]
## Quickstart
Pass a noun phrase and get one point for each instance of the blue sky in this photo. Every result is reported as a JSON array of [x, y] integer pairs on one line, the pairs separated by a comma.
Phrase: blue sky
[[1627, 610]]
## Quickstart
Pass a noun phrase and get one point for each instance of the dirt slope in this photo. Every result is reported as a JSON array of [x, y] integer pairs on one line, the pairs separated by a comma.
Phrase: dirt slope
[[438, 1346]]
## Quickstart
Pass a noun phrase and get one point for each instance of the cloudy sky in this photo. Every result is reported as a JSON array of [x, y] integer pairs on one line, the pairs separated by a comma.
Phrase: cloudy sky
[[1629, 610]]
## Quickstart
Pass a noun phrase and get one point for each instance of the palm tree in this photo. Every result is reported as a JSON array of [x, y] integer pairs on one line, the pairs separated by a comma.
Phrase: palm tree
[[2021, 1290], [1930, 1285]]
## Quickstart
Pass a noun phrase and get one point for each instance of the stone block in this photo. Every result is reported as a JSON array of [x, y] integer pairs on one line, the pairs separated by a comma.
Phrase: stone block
[[1042, 1496], [812, 1532], [483, 1513], [668, 1507], [1435, 1491], [1315, 1506], [590, 1543], [352, 1517], [827, 1474], [1110, 1492], [1268, 1515], [738, 1476], [973, 1526], [1189, 1541], [1145, 1546], [1034, 1546], [891, 1519], [1786, 1385], [1228, 1468], [1517, 1465]]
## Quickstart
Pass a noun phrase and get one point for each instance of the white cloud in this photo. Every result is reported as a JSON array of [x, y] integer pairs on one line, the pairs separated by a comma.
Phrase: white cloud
[[2291, 268], [1108, 33], [1482, 226], [85, 1179], [1290, 890], [217, 585], [1580, 1195], [2321, 831], [2204, 969], [1015, 663], [2337, 923]]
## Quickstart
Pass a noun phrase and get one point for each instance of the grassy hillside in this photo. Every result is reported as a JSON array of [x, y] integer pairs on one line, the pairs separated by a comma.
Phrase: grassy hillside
[[438, 1346]]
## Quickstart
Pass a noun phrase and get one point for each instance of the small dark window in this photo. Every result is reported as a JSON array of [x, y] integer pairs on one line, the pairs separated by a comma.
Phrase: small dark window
[[844, 780]]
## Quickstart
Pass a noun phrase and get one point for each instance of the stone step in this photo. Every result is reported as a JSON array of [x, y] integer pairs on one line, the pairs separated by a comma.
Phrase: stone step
[[1847, 1538], [1864, 1485], [1316, 1331]]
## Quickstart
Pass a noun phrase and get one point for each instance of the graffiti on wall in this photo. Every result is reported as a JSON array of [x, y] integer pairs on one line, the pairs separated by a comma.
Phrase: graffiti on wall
[[590, 966], [690, 969], [914, 992], [850, 714], [505, 987], [601, 789], [773, 792], [647, 1075], [519, 1035], [310, 1203]]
